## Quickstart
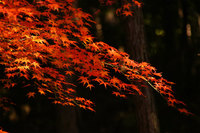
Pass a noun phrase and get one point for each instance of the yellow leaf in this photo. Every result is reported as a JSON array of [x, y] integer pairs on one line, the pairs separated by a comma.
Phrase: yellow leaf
[[35, 64]]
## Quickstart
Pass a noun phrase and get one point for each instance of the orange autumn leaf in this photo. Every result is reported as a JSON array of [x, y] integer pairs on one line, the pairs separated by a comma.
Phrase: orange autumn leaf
[[35, 64], [127, 13], [69, 73], [31, 94], [84, 80], [185, 111], [118, 94], [127, 6], [139, 4], [115, 81], [90, 86], [41, 91]]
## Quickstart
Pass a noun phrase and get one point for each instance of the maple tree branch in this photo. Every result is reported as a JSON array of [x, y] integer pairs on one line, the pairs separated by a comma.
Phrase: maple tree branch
[[68, 96], [136, 72]]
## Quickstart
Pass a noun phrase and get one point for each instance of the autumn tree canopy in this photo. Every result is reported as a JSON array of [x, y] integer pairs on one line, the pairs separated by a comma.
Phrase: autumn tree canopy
[[45, 42]]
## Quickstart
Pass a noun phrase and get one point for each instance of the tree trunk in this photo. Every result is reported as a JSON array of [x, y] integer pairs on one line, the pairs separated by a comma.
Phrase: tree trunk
[[147, 120], [67, 120]]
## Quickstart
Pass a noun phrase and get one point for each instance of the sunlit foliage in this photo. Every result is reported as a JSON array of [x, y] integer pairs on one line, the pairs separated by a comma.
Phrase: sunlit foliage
[[44, 43]]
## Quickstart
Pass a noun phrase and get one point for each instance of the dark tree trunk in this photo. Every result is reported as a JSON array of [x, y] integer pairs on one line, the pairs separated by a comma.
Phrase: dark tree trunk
[[67, 120], [67, 117], [147, 120]]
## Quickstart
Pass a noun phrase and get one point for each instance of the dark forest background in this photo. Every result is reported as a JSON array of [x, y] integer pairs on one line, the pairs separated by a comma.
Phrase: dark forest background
[[172, 39]]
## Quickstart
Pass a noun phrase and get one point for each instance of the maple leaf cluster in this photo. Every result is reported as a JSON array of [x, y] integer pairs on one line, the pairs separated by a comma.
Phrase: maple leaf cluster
[[47, 42], [126, 8]]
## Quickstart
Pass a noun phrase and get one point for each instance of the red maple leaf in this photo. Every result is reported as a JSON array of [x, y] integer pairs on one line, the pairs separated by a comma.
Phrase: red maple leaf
[[127, 13], [31, 94], [84, 80]]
